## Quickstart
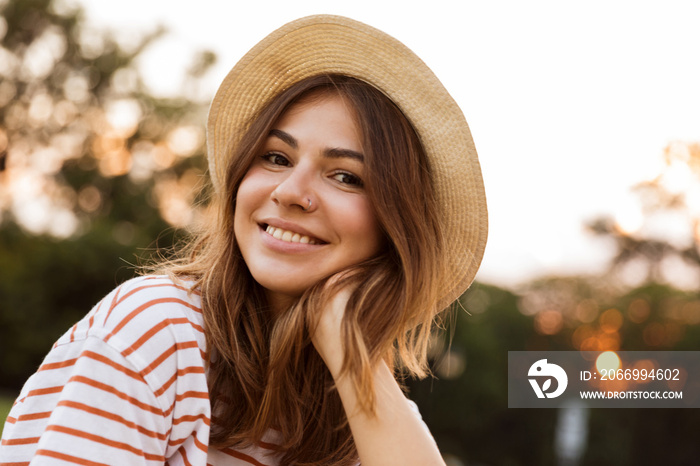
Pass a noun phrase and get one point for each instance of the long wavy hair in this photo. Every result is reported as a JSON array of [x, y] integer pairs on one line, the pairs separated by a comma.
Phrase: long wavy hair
[[265, 373]]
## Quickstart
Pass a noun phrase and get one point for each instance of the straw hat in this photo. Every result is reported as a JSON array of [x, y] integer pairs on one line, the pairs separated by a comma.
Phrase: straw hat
[[336, 45]]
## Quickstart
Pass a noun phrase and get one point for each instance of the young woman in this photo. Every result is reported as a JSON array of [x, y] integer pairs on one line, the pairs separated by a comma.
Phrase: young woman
[[348, 211]]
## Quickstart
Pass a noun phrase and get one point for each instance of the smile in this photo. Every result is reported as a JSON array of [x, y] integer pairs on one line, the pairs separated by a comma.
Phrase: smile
[[290, 236]]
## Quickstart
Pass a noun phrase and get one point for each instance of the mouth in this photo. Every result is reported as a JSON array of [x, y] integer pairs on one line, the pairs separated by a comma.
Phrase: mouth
[[290, 236]]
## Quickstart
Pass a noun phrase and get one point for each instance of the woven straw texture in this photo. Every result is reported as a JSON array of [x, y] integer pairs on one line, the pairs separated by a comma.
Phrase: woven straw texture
[[332, 44]]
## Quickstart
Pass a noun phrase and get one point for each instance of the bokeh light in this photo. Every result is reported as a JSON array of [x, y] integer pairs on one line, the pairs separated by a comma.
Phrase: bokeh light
[[607, 361]]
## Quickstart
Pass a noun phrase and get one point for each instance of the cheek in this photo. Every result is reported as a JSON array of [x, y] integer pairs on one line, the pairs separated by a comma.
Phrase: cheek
[[247, 197], [239, 210], [363, 228], [251, 191]]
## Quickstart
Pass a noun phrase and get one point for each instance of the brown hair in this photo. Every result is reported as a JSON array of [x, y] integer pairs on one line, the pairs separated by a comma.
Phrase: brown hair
[[265, 372]]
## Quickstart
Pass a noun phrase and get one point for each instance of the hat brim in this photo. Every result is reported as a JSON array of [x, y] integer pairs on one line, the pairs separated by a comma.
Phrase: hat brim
[[325, 44]]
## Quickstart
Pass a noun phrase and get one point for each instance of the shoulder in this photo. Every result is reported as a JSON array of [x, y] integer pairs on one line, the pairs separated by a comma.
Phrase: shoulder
[[141, 308], [155, 324], [135, 365]]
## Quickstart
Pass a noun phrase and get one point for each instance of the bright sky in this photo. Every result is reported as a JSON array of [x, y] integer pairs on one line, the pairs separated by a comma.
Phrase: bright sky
[[569, 103]]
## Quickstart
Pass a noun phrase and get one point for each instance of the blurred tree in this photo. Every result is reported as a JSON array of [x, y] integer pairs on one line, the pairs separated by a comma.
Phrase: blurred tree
[[659, 239], [466, 405], [93, 168], [654, 317]]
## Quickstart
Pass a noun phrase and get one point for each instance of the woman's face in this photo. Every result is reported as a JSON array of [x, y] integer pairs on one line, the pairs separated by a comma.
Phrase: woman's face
[[302, 213]]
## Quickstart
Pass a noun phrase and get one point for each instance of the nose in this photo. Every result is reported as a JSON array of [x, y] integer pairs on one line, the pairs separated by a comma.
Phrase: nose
[[296, 191]]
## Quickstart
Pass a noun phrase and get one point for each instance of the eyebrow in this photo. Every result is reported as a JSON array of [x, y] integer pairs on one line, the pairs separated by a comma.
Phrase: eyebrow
[[333, 153]]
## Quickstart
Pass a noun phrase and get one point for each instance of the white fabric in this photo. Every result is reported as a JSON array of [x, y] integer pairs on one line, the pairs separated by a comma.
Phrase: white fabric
[[125, 385]]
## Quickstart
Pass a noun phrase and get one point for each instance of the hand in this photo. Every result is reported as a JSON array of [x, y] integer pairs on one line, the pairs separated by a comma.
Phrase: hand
[[327, 335]]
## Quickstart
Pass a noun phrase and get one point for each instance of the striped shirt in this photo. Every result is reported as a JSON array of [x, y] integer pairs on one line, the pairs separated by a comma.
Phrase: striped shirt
[[125, 386]]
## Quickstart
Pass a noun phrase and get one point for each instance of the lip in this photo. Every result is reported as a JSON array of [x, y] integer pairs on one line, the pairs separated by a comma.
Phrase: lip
[[293, 227], [286, 247]]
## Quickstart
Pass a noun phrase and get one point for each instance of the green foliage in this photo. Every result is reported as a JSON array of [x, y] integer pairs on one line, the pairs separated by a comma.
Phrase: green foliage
[[466, 408], [628, 437], [5, 407], [47, 283], [468, 411]]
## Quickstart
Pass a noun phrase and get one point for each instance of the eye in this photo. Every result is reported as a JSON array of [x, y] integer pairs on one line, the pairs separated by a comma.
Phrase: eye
[[275, 158], [348, 179]]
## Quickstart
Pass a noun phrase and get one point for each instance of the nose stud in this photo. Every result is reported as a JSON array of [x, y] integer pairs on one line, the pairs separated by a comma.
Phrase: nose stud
[[307, 207]]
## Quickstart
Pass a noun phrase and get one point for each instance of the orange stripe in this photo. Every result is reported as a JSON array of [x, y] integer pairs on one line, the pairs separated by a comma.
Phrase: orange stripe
[[157, 328], [43, 391], [143, 307], [192, 394], [181, 372], [91, 320], [105, 360], [173, 284], [166, 354], [20, 441], [11, 420], [105, 441], [201, 395], [177, 442], [113, 305], [33, 416], [72, 332], [112, 417], [200, 445], [145, 287], [114, 391], [242, 456], [69, 458], [190, 418], [197, 443], [57, 365], [19, 464], [147, 336], [183, 453], [160, 285], [268, 446]]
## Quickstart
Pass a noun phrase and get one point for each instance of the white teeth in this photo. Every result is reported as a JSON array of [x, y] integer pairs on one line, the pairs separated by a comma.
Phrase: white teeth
[[289, 236]]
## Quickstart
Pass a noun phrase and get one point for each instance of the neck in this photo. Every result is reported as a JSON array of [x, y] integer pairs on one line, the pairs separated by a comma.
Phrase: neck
[[278, 302]]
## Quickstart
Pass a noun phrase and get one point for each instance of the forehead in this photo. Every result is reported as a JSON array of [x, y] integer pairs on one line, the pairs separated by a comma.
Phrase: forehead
[[319, 96], [322, 117]]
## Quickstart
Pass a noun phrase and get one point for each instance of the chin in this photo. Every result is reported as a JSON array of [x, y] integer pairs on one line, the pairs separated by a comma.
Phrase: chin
[[284, 290]]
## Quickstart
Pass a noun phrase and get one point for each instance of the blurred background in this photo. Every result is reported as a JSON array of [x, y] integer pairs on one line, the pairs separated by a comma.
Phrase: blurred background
[[588, 130]]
